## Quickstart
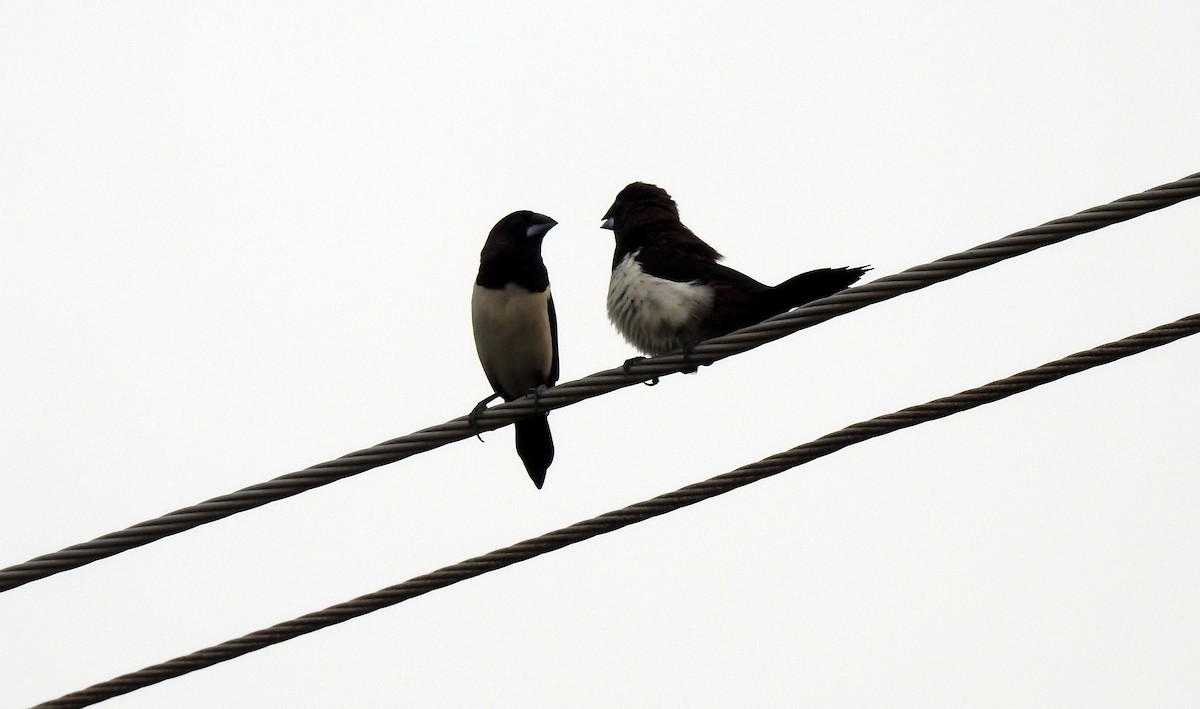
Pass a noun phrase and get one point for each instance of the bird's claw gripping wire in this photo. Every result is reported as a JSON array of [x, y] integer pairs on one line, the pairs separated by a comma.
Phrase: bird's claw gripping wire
[[627, 369], [473, 417], [686, 350], [536, 393]]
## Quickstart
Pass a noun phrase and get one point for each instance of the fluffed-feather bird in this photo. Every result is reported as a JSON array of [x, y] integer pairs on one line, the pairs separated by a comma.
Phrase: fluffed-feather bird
[[668, 290]]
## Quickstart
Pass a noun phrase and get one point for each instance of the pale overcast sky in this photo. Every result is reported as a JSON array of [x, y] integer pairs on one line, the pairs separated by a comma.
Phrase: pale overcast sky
[[237, 239]]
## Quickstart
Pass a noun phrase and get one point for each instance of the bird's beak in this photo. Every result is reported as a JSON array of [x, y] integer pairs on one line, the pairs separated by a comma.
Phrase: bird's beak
[[540, 228], [607, 223]]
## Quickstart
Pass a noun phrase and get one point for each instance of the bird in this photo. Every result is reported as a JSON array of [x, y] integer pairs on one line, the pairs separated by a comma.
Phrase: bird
[[515, 328], [667, 290]]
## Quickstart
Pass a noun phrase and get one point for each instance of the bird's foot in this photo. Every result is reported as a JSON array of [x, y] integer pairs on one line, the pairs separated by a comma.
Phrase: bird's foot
[[688, 367], [536, 393], [628, 367], [473, 417]]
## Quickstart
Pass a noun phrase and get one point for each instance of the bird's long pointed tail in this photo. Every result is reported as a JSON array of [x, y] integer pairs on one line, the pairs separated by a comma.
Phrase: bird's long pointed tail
[[810, 286], [535, 447]]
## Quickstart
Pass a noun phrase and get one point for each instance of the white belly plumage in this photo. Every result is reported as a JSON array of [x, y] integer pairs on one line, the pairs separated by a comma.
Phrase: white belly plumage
[[512, 337], [655, 314]]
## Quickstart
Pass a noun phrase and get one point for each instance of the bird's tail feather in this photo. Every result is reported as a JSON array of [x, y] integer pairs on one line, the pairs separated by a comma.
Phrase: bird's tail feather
[[810, 286], [535, 447]]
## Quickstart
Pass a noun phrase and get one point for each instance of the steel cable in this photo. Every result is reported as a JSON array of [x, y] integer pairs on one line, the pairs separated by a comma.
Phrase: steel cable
[[599, 383], [611, 521]]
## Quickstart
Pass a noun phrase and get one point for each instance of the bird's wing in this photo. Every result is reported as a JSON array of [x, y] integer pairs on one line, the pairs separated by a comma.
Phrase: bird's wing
[[686, 270], [553, 341]]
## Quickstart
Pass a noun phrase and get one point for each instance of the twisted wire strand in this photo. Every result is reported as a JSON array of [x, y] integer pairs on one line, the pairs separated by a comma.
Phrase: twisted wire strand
[[568, 393], [617, 519]]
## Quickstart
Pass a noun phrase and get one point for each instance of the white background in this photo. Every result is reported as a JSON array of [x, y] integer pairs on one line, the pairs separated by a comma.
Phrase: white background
[[237, 239]]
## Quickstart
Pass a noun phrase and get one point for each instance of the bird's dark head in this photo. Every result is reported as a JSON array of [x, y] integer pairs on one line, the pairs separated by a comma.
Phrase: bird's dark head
[[519, 231], [645, 215], [640, 203]]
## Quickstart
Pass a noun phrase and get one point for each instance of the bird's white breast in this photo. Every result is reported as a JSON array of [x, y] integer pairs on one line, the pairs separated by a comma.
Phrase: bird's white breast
[[512, 337], [655, 314]]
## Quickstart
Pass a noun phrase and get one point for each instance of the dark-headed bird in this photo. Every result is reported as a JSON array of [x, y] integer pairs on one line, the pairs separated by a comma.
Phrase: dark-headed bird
[[668, 291], [516, 334]]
